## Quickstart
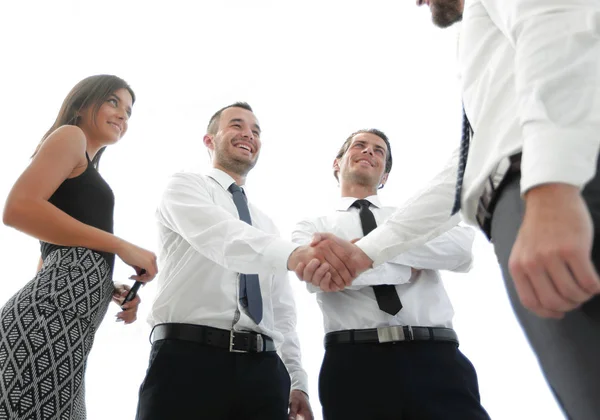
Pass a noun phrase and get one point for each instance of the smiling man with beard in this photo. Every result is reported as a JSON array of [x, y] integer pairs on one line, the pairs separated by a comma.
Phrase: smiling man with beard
[[391, 352], [224, 304]]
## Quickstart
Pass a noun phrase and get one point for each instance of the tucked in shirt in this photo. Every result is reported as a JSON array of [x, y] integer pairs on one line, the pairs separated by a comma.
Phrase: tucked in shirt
[[424, 299], [529, 72], [204, 246]]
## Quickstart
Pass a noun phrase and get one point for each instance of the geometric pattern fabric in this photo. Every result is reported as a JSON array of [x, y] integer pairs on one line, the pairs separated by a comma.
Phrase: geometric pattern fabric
[[46, 333]]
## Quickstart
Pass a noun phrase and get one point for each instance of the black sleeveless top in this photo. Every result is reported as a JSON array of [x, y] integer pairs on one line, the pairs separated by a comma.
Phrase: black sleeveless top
[[87, 198]]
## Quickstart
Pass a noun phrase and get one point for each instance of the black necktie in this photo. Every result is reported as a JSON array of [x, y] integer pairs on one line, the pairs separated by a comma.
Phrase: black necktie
[[250, 297], [467, 132], [386, 294]]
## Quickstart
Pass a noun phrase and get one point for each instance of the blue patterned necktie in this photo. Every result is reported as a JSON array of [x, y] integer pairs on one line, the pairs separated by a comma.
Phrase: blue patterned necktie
[[467, 132], [385, 294], [250, 297]]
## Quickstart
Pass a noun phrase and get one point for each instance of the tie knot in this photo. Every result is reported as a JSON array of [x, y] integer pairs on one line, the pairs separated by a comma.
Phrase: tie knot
[[235, 188], [361, 204]]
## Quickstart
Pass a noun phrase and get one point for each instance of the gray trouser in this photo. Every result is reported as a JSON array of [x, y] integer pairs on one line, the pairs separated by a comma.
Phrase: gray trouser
[[568, 349]]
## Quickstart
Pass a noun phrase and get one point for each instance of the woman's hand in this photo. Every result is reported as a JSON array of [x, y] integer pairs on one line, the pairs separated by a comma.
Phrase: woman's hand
[[129, 312], [143, 261]]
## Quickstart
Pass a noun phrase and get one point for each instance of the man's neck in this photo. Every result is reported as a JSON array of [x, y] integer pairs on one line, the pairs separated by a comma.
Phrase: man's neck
[[239, 179], [357, 191]]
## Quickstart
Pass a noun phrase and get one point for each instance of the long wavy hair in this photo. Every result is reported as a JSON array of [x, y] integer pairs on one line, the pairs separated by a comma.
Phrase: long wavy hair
[[92, 91]]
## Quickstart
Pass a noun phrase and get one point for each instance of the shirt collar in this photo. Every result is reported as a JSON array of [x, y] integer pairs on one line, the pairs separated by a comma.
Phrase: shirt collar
[[344, 203], [223, 178]]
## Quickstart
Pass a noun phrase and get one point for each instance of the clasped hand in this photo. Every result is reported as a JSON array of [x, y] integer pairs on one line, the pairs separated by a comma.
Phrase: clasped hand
[[329, 262]]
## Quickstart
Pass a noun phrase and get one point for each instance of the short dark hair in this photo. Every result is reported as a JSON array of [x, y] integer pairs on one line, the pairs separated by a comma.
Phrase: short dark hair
[[213, 124], [378, 133]]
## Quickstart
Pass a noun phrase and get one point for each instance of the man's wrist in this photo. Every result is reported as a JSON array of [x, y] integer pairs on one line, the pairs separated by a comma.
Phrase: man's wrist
[[555, 191], [301, 390], [366, 261], [292, 261]]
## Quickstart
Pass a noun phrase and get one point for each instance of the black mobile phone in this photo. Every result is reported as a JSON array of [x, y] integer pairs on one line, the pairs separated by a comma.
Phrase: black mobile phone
[[134, 289]]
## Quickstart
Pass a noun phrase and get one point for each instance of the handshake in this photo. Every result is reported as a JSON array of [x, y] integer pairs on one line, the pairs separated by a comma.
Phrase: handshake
[[329, 262]]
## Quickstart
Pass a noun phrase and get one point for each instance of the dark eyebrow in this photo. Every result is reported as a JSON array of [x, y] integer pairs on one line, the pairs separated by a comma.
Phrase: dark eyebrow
[[114, 95], [239, 120]]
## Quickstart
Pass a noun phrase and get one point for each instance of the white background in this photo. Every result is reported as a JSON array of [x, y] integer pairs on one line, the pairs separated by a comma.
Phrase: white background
[[314, 71]]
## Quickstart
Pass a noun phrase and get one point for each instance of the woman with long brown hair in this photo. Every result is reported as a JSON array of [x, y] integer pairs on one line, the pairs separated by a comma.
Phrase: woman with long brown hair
[[47, 328]]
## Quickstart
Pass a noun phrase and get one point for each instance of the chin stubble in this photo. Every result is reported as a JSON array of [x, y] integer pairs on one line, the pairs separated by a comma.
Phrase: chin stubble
[[237, 166], [445, 13]]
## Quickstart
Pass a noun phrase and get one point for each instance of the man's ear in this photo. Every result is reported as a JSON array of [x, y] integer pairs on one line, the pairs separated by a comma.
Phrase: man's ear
[[336, 169], [209, 141], [383, 180], [336, 165]]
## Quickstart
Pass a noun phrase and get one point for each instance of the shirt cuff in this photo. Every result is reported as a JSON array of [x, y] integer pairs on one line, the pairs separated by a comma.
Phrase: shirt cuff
[[564, 155], [279, 252], [369, 245], [384, 244], [299, 381]]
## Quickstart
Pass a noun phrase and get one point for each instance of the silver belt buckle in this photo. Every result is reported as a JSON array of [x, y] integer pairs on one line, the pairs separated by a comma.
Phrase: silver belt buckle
[[395, 333], [231, 338], [259, 343]]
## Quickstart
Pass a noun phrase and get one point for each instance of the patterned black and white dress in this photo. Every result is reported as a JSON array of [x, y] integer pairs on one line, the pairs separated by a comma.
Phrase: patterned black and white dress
[[47, 328]]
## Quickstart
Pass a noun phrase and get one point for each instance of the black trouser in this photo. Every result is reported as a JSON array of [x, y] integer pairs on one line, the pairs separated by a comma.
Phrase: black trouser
[[568, 349], [188, 381], [402, 381]]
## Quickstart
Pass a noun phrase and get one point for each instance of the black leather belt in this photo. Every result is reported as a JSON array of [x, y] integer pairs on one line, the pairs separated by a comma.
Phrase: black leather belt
[[495, 183], [391, 335], [234, 341]]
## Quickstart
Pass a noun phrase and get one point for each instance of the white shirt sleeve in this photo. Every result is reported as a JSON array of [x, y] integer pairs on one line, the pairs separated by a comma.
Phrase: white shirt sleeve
[[557, 77], [284, 312], [450, 251], [420, 219], [302, 235], [386, 273], [188, 209], [393, 274]]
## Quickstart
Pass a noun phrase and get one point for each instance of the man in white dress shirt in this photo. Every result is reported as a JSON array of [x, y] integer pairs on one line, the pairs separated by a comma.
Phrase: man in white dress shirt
[[530, 76], [224, 302], [391, 351]]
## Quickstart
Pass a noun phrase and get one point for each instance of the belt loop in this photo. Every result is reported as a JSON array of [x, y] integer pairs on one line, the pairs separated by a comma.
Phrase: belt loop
[[260, 346], [352, 336], [431, 334], [491, 181], [150, 336], [409, 333]]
